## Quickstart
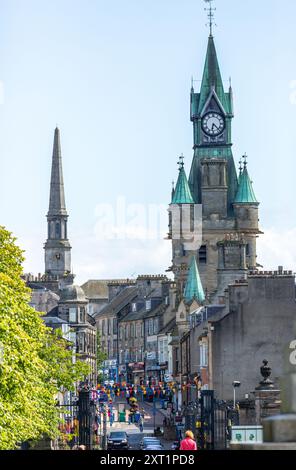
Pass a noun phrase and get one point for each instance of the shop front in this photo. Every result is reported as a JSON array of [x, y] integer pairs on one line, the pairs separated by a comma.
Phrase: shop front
[[136, 372]]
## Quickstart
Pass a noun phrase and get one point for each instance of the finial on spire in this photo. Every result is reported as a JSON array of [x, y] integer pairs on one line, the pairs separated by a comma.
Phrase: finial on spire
[[181, 162], [240, 167], [211, 16], [245, 156]]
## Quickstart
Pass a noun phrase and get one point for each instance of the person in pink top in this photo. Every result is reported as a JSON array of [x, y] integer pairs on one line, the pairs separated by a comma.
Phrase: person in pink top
[[188, 443]]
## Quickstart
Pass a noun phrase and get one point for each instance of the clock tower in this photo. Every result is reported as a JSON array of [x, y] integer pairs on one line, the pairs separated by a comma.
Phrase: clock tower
[[229, 206], [211, 114]]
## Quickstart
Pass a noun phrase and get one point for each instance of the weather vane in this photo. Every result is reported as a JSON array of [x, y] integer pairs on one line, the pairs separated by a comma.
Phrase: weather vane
[[211, 15], [181, 161]]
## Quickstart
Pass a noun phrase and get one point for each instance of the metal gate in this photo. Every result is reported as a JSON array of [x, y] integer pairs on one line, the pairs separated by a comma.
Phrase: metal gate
[[77, 420], [216, 421]]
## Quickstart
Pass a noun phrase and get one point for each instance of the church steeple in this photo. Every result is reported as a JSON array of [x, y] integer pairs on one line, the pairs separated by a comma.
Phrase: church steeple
[[57, 205], [57, 247]]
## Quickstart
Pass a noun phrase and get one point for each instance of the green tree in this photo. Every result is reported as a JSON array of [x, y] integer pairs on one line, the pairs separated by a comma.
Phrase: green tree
[[101, 357], [34, 361]]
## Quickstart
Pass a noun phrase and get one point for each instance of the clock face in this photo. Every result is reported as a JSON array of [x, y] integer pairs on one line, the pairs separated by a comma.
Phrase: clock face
[[213, 124]]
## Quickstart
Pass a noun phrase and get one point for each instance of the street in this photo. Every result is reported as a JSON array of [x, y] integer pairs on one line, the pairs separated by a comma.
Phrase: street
[[133, 432]]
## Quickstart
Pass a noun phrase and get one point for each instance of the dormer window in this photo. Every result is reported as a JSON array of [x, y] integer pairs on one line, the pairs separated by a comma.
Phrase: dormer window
[[134, 307], [72, 315], [148, 304]]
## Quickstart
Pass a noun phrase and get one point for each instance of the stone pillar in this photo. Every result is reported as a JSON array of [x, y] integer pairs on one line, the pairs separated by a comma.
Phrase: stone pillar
[[267, 398], [282, 428]]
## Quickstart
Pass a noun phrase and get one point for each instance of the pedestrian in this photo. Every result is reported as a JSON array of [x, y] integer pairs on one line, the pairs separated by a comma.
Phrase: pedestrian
[[141, 424], [188, 443]]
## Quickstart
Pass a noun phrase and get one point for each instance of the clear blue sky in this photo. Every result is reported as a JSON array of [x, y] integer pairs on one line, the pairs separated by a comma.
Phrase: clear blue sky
[[115, 77]]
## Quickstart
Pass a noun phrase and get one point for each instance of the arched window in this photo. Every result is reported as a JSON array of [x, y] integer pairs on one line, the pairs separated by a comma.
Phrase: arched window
[[203, 254], [58, 230]]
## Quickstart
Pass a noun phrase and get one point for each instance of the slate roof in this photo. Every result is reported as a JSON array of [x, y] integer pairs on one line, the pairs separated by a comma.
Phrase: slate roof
[[121, 300], [96, 289], [144, 314]]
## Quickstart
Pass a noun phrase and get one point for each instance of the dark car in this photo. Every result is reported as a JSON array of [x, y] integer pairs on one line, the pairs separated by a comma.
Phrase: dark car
[[118, 440], [149, 441]]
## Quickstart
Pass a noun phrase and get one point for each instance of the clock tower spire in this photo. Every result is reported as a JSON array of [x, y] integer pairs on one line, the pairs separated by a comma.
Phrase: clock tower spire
[[211, 111]]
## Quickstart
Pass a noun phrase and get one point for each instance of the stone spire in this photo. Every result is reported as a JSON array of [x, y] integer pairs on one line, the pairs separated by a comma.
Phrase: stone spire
[[57, 247], [57, 205]]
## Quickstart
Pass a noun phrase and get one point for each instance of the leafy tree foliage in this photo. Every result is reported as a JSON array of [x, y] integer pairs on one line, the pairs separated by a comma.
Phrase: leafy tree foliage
[[101, 357], [34, 362]]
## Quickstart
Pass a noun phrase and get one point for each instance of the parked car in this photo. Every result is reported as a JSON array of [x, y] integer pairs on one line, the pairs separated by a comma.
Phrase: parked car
[[118, 440], [153, 447], [149, 440]]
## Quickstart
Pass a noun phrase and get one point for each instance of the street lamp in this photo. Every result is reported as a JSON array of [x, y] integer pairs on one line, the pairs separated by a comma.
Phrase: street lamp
[[235, 385]]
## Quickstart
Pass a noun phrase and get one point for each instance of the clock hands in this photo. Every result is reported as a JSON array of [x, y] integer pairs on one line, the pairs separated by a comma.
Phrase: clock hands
[[213, 124]]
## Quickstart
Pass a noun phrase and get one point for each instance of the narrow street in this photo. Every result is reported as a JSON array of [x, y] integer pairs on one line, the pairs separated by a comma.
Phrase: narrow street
[[132, 430]]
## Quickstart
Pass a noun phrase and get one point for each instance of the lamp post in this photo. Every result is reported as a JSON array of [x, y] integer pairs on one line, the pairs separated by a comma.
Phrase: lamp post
[[235, 385]]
